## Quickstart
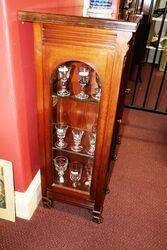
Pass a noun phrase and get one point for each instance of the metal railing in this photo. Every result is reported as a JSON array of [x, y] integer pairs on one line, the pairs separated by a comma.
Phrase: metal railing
[[149, 82]]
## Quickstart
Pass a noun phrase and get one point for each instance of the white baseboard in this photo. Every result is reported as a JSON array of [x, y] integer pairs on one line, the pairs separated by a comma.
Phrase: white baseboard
[[27, 202]]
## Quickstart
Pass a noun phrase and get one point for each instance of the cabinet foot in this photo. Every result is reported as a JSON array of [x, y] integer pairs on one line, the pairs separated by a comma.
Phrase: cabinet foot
[[97, 218], [47, 203]]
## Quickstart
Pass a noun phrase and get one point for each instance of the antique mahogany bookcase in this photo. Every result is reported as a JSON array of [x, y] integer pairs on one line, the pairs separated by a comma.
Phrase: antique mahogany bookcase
[[73, 53]]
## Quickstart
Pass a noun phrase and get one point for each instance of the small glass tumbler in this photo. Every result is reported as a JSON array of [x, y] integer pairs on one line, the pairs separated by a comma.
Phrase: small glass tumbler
[[89, 169], [75, 173], [97, 93], [61, 163], [83, 77], [92, 143], [61, 130], [64, 74], [77, 137]]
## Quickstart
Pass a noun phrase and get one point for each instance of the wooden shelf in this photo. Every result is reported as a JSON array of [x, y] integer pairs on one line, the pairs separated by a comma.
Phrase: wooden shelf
[[73, 152], [72, 97], [67, 186]]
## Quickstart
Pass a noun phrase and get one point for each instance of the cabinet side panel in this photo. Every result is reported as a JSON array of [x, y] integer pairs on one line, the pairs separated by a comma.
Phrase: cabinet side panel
[[120, 52], [39, 99]]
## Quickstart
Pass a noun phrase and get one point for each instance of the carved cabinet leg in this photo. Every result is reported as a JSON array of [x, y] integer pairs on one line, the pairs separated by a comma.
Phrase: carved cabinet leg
[[47, 203], [97, 218]]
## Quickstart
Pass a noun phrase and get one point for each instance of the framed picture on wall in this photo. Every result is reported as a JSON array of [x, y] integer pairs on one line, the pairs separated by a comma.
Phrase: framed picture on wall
[[7, 203]]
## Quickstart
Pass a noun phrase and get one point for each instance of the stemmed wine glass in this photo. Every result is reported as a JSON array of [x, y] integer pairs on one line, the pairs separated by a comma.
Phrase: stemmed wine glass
[[83, 77], [77, 137], [61, 130], [61, 163], [97, 93], [89, 169], [92, 143], [64, 74], [75, 173]]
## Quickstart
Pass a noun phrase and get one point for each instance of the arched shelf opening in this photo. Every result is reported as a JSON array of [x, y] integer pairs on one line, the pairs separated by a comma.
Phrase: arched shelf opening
[[78, 80], [76, 92]]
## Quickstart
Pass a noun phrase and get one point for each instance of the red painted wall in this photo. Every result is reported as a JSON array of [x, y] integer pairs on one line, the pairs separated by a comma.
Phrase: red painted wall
[[18, 123]]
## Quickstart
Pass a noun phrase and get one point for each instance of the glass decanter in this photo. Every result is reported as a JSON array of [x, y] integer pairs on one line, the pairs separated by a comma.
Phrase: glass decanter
[[75, 173], [83, 77], [60, 163], [61, 130], [64, 74]]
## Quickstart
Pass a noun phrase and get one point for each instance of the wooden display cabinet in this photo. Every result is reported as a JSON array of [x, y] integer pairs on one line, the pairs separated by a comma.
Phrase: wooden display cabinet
[[64, 38]]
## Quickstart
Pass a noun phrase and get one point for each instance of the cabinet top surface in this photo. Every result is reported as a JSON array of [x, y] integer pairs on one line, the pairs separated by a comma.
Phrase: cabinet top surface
[[76, 16]]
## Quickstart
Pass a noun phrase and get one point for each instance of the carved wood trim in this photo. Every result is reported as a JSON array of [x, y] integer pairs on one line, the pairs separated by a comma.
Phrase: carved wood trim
[[76, 36]]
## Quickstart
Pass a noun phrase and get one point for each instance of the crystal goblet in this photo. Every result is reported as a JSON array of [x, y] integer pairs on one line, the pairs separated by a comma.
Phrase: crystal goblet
[[64, 74], [97, 93], [77, 137], [92, 143], [89, 169], [83, 77], [61, 164], [75, 173], [61, 130]]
